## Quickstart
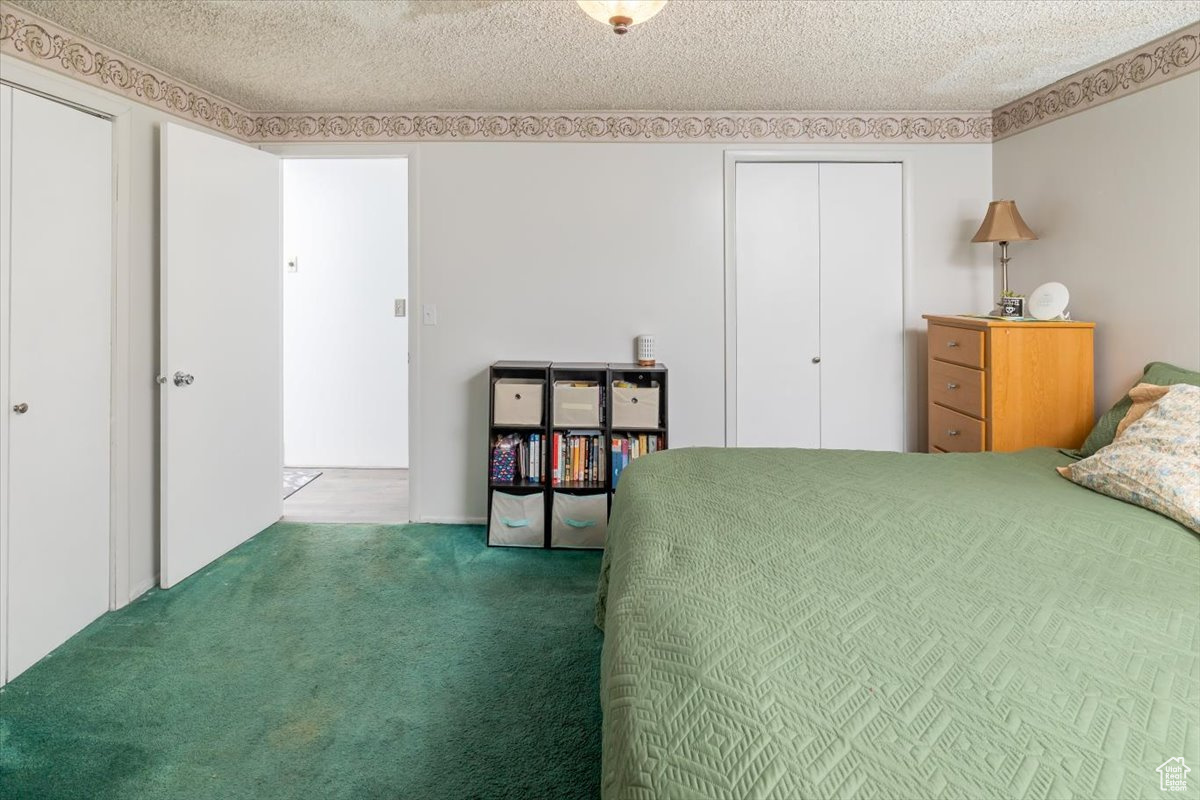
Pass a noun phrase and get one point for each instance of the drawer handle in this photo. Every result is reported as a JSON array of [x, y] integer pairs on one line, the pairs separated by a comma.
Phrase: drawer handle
[[952, 433], [516, 397], [580, 523], [515, 523], [951, 386], [634, 401], [951, 343]]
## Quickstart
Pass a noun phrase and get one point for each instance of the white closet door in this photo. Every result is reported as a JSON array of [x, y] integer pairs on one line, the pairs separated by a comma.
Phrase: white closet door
[[6, 94], [221, 438], [778, 290], [59, 361], [862, 309]]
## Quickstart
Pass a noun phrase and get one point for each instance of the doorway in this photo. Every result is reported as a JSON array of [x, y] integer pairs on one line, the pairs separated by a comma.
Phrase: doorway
[[345, 339]]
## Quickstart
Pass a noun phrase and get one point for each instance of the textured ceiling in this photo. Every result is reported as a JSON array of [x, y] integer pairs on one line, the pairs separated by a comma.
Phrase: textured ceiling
[[547, 55]]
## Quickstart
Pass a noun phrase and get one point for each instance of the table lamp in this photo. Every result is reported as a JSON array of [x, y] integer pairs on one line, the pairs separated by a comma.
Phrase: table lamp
[[1003, 224]]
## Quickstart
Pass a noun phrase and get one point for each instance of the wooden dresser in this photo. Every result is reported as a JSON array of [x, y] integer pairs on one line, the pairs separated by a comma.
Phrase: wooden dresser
[[997, 384]]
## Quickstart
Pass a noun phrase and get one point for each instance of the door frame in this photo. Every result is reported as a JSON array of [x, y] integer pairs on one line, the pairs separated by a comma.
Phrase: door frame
[[817, 154], [409, 152], [119, 113]]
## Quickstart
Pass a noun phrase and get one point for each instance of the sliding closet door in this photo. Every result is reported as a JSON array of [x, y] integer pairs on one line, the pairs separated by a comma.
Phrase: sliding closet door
[[778, 290], [222, 408], [862, 309], [57, 394]]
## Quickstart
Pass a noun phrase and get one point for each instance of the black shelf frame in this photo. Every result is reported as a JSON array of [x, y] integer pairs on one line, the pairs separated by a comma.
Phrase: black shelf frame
[[548, 372]]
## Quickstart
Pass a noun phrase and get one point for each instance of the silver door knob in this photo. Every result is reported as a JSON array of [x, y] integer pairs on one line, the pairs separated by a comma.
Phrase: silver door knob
[[816, 359], [21, 408], [183, 379]]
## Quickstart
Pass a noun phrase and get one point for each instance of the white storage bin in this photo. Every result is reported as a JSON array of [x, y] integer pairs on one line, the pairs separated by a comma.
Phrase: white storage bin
[[518, 520], [578, 520], [517, 401], [635, 408], [576, 406]]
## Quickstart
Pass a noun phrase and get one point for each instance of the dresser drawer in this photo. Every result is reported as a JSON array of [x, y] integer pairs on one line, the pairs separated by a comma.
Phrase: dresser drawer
[[956, 345], [954, 432], [960, 388]]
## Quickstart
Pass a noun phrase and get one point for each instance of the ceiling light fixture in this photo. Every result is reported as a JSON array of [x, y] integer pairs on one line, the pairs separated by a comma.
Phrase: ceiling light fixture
[[621, 14]]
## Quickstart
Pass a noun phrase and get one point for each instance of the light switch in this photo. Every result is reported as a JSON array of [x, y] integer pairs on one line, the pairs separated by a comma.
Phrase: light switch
[[293, 264], [429, 314], [401, 307]]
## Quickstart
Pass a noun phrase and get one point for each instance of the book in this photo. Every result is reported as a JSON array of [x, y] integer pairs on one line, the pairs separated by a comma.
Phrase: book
[[577, 457], [628, 448]]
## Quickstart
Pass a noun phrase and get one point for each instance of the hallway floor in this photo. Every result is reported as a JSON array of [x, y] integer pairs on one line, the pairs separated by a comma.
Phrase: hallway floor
[[352, 495]]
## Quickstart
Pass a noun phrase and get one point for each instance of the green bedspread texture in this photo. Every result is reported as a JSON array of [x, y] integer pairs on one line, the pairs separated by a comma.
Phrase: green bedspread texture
[[817, 624]]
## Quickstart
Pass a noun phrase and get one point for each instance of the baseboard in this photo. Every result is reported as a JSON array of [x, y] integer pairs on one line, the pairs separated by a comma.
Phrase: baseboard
[[452, 520], [137, 591], [336, 466]]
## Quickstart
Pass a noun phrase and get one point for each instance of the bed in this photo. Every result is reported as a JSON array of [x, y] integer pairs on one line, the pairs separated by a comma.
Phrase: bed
[[816, 624]]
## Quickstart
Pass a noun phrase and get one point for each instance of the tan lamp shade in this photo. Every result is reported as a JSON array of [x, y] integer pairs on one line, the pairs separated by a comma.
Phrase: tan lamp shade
[[1003, 223]]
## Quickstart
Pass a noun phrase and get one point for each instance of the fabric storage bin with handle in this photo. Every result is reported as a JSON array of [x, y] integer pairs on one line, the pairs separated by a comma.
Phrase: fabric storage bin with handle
[[576, 405], [635, 407], [517, 401], [578, 520], [518, 520]]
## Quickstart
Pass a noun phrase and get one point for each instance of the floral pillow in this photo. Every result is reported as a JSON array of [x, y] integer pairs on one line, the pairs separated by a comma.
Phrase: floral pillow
[[1156, 462], [1143, 397]]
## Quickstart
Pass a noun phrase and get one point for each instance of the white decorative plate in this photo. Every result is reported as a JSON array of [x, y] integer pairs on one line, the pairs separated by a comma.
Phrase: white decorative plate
[[1048, 301]]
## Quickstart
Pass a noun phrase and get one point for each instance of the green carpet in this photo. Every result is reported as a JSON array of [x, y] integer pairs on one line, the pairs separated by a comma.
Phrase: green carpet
[[326, 661]]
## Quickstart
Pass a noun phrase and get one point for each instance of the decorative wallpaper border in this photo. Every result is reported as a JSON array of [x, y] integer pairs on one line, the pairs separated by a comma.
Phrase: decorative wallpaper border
[[31, 38], [1170, 57], [625, 127]]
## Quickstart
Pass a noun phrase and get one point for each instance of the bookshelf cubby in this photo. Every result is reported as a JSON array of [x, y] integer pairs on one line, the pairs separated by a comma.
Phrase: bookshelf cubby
[[569, 512]]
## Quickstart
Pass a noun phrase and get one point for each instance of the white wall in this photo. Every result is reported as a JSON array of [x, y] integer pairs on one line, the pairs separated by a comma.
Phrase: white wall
[[345, 353], [1113, 194], [567, 251]]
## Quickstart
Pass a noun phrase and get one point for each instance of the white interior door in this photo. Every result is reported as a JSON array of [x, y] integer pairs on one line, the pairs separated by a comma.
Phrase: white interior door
[[862, 307], [221, 433], [58, 296], [6, 94], [777, 288]]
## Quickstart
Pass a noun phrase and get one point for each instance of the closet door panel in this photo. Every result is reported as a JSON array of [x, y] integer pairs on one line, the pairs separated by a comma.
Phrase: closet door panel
[[58, 467], [861, 307], [6, 94], [777, 286]]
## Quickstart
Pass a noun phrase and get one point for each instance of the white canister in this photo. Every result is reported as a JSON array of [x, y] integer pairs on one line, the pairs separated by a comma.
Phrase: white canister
[[645, 350]]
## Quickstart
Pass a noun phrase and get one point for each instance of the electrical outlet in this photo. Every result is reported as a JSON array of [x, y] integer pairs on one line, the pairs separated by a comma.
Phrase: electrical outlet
[[293, 264], [429, 314]]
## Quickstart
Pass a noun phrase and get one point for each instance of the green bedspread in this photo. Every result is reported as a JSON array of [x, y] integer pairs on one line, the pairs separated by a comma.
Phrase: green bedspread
[[815, 624]]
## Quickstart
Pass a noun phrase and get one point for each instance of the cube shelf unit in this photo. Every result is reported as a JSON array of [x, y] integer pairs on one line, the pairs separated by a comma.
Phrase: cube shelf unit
[[548, 373]]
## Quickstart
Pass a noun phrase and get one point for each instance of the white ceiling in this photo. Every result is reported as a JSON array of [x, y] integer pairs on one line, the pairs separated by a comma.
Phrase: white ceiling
[[547, 55]]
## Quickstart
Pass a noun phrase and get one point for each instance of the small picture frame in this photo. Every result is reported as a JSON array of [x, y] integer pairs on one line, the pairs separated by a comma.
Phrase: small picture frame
[[1012, 307]]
